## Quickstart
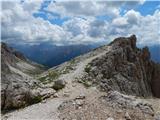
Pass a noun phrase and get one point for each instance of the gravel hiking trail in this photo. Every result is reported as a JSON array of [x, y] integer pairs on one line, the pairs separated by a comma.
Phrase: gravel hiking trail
[[47, 109]]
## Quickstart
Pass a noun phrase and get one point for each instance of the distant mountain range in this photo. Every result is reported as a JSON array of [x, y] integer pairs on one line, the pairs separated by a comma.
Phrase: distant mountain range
[[52, 55], [155, 53]]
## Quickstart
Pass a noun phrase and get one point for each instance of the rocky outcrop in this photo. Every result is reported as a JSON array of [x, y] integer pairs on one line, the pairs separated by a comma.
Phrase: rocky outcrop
[[118, 100], [113, 106], [18, 88], [156, 81], [125, 68]]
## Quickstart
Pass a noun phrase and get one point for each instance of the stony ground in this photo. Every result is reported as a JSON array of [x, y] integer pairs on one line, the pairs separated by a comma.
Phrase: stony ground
[[77, 102], [48, 108]]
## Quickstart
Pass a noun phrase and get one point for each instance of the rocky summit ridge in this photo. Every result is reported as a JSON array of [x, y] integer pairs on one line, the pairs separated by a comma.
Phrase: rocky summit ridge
[[113, 82], [127, 69]]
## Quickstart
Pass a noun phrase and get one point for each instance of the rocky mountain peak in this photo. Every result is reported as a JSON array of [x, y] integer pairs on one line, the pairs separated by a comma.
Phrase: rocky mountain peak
[[125, 68], [145, 53], [125, 41], [133, 40]]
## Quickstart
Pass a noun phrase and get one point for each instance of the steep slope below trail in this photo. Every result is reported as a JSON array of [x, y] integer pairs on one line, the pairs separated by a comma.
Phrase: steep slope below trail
[[17, 79]]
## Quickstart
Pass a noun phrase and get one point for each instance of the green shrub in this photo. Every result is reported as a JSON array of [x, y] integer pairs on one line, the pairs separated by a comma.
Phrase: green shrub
[[73, 61], [53, 74], [42, 79], [86, 83], [87, 69], [30, 99], [36, 99]]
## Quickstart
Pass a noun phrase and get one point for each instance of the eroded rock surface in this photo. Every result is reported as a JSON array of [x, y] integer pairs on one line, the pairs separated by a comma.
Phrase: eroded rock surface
[[120, 69], [113, 106], [18, 87], [125, 68]]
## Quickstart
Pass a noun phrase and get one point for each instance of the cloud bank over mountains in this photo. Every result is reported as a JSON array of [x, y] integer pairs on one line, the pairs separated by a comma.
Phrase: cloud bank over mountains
[[79, 22]]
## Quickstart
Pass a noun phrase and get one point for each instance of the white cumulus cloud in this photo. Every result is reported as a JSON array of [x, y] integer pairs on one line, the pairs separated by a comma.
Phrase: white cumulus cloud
[[83, 27]]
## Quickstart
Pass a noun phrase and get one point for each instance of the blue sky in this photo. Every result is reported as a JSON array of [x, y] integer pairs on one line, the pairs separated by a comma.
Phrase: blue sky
[[148, 8], [79, 22]]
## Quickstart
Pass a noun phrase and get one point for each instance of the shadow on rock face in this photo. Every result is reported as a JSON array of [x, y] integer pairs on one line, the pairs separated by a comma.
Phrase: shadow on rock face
[[127, 69]]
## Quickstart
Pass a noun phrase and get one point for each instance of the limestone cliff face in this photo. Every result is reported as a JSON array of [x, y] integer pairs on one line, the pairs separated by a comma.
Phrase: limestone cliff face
[[156, 81], [126, 68], [17, 84]]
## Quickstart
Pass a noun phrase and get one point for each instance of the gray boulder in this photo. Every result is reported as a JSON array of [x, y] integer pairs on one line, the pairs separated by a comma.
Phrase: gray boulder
[[59, 84]]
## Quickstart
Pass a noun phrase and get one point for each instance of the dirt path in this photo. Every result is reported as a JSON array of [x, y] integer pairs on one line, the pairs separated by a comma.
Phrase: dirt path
[[48, 110]]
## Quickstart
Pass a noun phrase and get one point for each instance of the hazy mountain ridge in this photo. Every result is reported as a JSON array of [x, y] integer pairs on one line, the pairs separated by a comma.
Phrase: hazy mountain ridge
[[155, 53], [54, 55]]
